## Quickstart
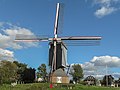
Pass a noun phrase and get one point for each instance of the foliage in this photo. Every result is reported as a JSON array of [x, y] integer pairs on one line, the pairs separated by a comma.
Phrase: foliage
[[20, 69], [42, 72], [24, 74], [28, 75], [15, 72], [76, 72], [8, 72]]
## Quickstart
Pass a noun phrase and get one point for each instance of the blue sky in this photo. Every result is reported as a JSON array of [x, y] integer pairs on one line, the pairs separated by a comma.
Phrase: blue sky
[[81, 18]]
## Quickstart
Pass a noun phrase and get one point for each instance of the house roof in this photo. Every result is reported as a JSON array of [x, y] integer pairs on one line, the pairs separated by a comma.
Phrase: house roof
[[90, 78]]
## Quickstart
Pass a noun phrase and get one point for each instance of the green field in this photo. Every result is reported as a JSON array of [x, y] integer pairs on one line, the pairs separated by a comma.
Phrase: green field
[[43, 86]]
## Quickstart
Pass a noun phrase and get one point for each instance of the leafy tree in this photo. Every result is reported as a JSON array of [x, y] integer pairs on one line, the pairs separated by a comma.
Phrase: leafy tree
[[15, 71], [76, 72], [42, 72], [24, 74], [20, 69], [29, 75], [21, 66], [8, 72]]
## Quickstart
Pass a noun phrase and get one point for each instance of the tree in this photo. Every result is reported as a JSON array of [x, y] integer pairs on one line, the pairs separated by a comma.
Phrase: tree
[[20, 69], [29, 75], [15, 71], [24, 74], [76, 72], [8, 72], [42, 72]]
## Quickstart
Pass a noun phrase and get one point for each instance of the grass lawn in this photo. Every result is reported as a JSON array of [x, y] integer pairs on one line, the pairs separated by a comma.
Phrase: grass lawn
[[45, 86]]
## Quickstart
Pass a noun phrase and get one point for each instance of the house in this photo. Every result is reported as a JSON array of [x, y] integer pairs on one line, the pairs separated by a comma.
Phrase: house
[[90, 80], [117, 83], [108, 80]]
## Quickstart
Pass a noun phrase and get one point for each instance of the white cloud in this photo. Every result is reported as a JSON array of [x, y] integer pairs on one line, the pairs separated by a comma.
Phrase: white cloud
[[106, 7], [6, 55], [103, 11], [106, 2], [103, 2], [110, 61], [88, 66], [7, 42], [17, 30], [8, 37], [116, 75], [89, 72]]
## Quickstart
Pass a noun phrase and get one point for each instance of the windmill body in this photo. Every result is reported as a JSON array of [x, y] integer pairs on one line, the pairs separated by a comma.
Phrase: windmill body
[[61, 55], [58, 49]]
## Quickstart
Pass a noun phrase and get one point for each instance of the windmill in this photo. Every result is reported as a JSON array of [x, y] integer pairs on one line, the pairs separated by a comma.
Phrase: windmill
[[58, 49]]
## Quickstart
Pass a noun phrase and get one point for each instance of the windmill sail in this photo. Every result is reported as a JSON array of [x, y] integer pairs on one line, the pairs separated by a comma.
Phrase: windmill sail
[[81, 38], [59, 18], [30, 38], [58, 49]]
